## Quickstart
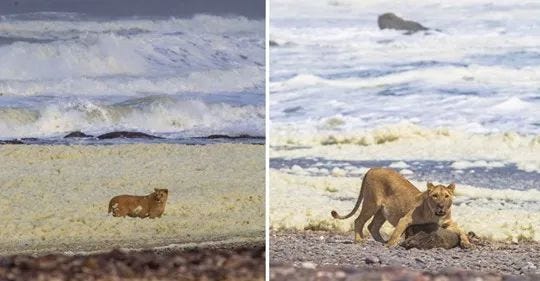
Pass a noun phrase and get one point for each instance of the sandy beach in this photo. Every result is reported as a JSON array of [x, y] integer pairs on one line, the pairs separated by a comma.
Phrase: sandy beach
[[55, 198]]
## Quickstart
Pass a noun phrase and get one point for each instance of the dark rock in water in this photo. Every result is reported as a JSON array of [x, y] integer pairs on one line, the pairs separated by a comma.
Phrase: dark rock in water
[[77, 134], [11, 142], [428, 236], [273, 43], [292, 109], [127, 135], [391, 21], [233, 137]]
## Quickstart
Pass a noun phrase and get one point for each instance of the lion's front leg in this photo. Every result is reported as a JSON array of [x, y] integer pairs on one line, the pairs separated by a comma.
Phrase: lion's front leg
[[463, 237], [402, 225]]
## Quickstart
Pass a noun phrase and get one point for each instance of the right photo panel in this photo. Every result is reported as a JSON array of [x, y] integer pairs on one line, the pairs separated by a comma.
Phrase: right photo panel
[[404, 140]]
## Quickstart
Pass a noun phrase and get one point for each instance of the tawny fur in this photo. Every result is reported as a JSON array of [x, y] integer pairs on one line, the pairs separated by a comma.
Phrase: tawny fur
[[388, 196], [151, 205]]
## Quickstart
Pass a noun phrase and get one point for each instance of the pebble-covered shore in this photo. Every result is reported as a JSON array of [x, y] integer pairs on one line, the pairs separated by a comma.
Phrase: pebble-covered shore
[[313, 249], [241, 263]]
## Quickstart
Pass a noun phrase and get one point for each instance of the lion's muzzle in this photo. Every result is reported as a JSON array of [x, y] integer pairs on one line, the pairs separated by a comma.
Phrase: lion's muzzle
[[440, 213]]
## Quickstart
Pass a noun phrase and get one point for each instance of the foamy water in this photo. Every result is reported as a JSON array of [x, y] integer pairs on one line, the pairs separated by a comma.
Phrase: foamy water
[[62, 204], [466, 90], [195, 76], [463, 97], [300, 201], [476, 72]]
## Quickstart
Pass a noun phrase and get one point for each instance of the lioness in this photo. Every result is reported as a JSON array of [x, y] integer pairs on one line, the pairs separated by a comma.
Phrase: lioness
[[151, 205], [389, 196]]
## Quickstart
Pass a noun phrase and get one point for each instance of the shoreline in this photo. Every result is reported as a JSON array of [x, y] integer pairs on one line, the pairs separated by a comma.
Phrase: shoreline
[[406, 141], [165, 245], [493, 175], [316, 249], [134, 138]]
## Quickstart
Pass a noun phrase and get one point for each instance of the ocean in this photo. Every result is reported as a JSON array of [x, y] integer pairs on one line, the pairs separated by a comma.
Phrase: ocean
[[172, 77], [457, 103], [476, 70]]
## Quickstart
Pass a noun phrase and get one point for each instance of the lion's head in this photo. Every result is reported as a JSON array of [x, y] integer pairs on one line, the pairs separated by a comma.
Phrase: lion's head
[[439, 198], [160, 195]]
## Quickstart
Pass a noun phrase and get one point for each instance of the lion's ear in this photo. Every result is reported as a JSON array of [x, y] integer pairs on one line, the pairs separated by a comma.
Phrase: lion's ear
[[430, 186], [451, 187]]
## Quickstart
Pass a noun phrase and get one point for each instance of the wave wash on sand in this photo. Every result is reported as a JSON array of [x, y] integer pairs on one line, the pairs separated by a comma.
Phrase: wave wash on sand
[[55, 198]]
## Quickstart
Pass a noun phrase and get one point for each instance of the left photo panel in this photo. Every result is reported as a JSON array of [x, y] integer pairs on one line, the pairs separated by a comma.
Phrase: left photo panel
[[132, 140]]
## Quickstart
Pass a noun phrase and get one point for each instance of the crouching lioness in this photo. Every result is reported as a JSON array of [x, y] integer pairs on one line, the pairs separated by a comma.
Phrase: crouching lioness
[[151, 205], [387, 195]]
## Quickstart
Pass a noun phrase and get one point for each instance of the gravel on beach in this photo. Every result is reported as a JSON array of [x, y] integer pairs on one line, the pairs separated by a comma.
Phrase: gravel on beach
[[327, 273], [213, 263], [316, 249]]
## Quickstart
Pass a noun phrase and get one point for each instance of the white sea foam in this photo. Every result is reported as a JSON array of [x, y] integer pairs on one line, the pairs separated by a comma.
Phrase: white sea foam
[[399, 165], [69, 72], [151, 50], [300, 202], [478, 74], [408, 141], [459, 165], [156, 114], [62, 203]]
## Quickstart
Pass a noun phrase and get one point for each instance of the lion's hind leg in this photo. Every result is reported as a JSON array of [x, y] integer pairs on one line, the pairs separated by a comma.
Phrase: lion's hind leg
[[376, 224], [368, 210]]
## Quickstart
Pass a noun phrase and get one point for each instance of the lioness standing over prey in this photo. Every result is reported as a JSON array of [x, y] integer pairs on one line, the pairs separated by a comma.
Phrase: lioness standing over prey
[[151, 205], [387, 195]]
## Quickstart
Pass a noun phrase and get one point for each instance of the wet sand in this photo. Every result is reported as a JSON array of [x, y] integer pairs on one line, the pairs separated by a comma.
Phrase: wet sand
[[315, 249]]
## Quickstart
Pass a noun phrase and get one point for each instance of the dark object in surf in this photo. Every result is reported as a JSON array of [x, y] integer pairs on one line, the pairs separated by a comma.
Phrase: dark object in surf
[[233, 137], [11, 142], [391, 21], [429, 236], [77, 134], [126, 135]]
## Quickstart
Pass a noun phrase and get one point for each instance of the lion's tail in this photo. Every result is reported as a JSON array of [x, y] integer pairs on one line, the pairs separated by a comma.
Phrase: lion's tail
[[356, 206]]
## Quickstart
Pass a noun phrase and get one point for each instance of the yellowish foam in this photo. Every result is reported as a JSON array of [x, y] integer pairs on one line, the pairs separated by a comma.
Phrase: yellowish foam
[[406, 141], [56, 197], [305, 202]]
